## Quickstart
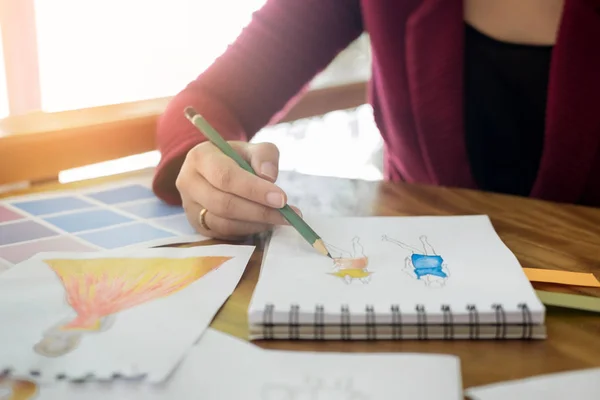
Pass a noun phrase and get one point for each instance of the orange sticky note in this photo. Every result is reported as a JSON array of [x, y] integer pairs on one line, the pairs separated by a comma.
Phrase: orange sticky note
[[561, 277]]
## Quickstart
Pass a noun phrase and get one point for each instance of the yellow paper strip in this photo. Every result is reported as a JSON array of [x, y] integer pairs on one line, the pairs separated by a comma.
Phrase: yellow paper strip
[[562, 277], [575, 301]]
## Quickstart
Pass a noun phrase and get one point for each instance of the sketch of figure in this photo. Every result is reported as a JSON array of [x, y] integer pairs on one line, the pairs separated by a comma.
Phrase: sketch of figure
[[99, 288], [17, 389], [313, 389], [423, 264], [350, 265]]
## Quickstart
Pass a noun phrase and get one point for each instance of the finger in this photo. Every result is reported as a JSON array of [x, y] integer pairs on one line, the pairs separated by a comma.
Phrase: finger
[[224, 174], [227, 205], [196, 189], [220, 228], [264, 159], [225, 228]]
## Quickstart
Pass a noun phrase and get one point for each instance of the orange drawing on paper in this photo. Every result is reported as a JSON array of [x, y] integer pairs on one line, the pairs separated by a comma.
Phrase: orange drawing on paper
[[17, 389], [350, 266], [99, 288]]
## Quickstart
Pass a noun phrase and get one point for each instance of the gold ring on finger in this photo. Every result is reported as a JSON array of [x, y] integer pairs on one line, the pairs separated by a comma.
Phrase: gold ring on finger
[[203, 219]]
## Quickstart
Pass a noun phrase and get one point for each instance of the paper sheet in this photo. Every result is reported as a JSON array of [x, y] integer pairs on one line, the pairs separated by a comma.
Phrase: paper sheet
[[566, 300], [382, 261], [580, 385], [222, 367], [561, 277], [129, 313]]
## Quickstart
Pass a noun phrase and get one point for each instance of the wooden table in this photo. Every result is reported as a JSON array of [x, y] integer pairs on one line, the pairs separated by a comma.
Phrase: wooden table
[[541, 234]]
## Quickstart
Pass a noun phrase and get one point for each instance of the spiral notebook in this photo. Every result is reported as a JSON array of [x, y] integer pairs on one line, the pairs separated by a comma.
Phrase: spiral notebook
[[448, 277]]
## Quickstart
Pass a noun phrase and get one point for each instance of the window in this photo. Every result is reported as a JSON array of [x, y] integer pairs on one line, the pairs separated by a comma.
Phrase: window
[[3, 91], [73, 55], [99, 52]]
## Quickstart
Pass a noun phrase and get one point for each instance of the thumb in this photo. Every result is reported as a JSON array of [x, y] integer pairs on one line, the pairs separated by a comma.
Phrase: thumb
[[264, 159]]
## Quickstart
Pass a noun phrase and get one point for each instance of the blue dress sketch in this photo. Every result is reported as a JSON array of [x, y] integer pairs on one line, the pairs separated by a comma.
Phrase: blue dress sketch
[[424, 264]]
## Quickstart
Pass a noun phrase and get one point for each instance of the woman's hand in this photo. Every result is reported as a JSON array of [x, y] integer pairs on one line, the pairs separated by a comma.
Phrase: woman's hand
[[237, 203]]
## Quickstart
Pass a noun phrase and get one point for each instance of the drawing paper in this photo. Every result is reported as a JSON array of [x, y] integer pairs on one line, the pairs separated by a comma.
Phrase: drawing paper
[[457, 261], [580, 385], [223, 367], [104, 217], [124, 312]]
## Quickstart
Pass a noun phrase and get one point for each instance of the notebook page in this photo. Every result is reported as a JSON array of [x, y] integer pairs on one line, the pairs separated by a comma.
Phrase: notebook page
[[433, 261], [223, 367], [580, 385]]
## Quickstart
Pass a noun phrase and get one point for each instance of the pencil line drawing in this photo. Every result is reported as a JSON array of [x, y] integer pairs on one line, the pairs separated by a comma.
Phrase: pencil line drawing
[[313, 389], [17, 389], [423, 264], [97, 289], [350, 265]]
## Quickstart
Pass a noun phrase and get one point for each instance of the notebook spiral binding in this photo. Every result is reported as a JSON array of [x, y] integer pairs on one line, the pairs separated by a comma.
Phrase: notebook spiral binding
[[397, 324]]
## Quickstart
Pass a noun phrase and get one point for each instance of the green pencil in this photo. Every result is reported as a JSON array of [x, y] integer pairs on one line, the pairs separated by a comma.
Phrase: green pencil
[[288, 213]]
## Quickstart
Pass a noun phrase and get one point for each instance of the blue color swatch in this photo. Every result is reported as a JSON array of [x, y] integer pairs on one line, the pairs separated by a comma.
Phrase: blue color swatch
[[22, 231], [52, 205], [86, 220], [125, 235], [122, 194], [152, 209], [177, 223]]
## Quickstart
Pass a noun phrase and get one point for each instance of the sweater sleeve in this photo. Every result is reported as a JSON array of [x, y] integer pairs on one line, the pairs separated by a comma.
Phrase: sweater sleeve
[[262, 73]]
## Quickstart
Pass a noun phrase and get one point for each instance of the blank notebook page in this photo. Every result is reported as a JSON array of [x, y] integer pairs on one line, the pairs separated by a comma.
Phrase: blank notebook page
[[383, 261]]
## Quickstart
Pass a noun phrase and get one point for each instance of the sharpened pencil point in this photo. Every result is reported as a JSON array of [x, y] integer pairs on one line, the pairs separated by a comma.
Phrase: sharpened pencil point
[[320, 247]]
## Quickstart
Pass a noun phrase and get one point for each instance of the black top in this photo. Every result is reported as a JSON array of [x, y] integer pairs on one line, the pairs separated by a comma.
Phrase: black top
[[505, 104]]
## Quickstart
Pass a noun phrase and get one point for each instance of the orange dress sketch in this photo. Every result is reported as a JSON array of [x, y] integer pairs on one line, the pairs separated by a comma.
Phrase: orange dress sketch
[[17, 389], [350, 266], [99, 288]]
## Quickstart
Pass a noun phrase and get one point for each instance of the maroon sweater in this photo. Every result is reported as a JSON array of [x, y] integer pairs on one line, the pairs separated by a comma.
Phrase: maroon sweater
[[416, 89]]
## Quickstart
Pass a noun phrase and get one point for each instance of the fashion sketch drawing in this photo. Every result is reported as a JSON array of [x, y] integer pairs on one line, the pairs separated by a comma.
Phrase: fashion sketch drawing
[[350, 265], [423, 263], [99, 288]]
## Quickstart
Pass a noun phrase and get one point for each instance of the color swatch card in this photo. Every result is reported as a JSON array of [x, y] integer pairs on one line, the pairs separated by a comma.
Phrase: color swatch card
[[580, 385], [124, 313], [98, 218], [447, 277], [223, 367]]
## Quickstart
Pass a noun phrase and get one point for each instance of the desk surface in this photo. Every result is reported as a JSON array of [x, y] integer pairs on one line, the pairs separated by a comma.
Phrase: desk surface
[[541, 234]]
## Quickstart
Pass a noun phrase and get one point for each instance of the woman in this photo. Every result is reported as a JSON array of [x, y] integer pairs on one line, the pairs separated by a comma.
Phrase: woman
[[496, 95]]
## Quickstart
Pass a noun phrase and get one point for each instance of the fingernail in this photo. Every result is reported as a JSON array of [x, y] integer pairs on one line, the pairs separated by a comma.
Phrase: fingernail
[[275, 199], [269, 170], [297, 211]]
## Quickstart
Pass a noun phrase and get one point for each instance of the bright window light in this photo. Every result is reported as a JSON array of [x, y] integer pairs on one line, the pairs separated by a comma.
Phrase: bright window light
[[99, 52], [137, 162], [3, 91]]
